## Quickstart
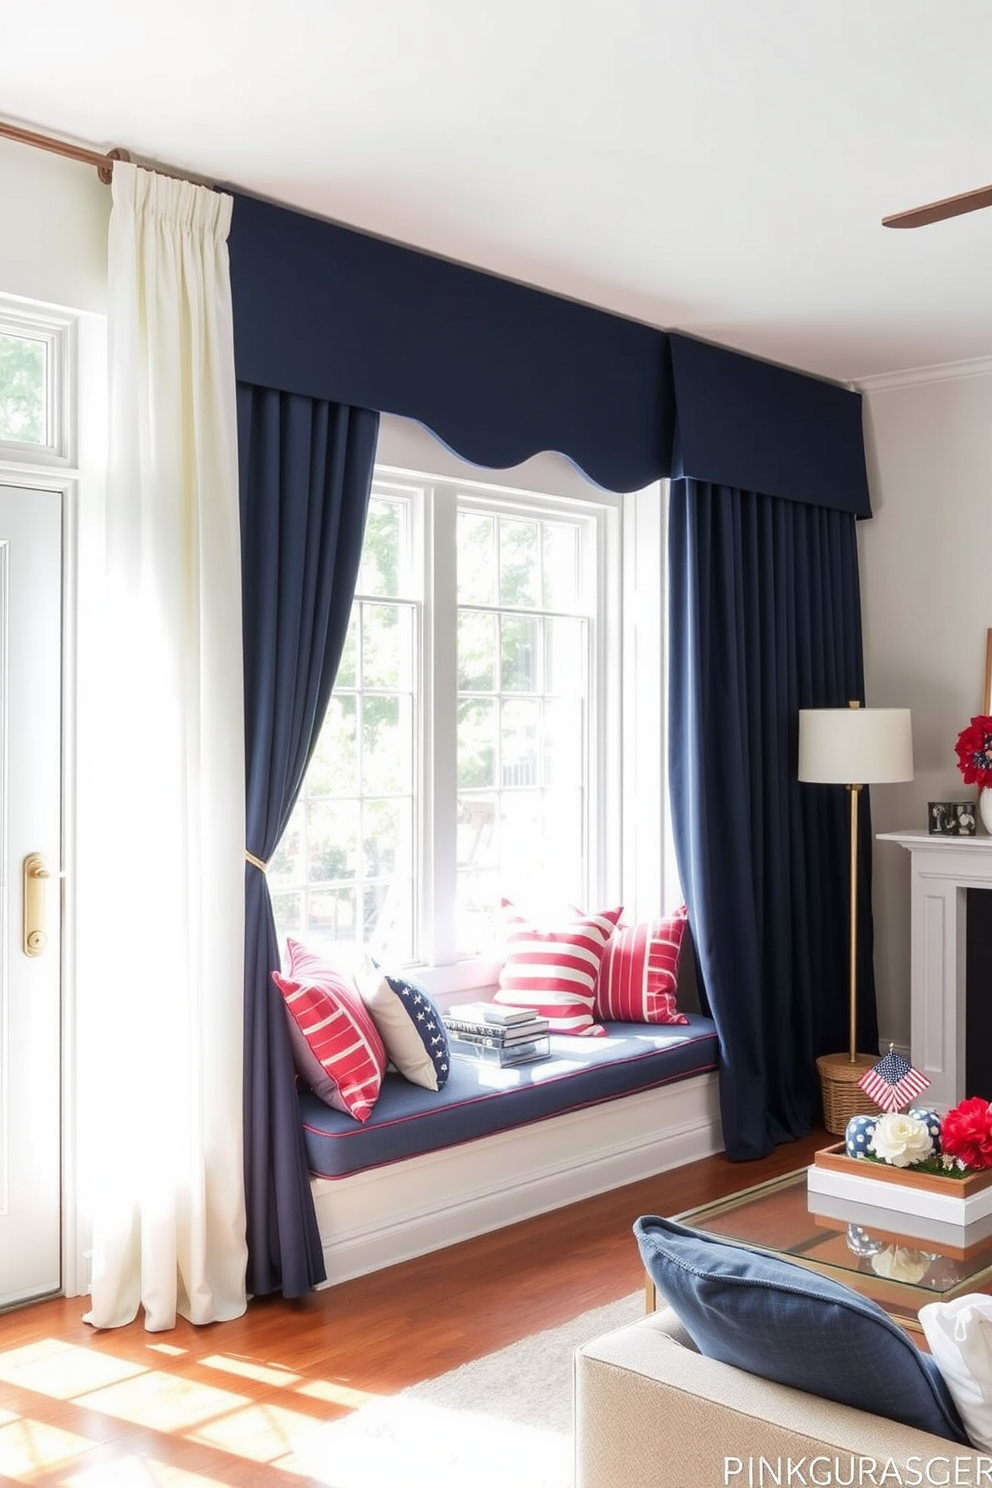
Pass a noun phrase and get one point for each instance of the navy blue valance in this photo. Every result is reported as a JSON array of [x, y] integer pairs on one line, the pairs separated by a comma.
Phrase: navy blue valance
[[758, 427], [497, 370], [500, 371]]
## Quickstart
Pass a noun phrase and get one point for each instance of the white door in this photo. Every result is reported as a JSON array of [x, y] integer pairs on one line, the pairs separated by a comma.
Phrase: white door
[[30, 823]]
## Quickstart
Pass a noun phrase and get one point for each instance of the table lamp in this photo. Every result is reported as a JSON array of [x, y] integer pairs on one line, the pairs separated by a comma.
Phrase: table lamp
[[853, 747]]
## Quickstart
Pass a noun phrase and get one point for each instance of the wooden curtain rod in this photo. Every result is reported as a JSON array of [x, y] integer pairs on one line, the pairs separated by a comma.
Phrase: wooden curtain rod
[[104, 163]]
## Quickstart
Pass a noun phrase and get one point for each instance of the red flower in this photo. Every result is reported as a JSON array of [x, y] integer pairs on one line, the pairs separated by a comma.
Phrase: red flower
[[974, 750], [966, 1133]]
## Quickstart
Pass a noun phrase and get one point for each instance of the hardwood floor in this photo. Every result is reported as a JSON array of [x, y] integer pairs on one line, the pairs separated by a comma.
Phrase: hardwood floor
[[222, 1405]]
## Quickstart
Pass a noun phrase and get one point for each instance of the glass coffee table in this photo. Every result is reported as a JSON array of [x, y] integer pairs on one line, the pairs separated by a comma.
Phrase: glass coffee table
[[864, 1248]]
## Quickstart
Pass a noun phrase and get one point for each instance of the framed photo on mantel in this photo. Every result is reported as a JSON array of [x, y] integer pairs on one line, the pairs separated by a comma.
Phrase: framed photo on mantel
[[951, 818]]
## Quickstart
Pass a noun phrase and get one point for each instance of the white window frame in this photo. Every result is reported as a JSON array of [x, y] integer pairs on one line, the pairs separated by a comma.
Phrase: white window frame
[[440, 689], [58, 332], [628, 774]]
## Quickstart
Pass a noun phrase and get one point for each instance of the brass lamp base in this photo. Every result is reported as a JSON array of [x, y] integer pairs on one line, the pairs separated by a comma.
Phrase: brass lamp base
[[842, 1096]]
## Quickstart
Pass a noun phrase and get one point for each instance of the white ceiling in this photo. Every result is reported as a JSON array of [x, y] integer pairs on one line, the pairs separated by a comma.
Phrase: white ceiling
[[716, 166]]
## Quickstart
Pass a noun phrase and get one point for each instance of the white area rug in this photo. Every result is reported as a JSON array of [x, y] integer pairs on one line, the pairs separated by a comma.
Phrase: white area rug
[[503, 1421]]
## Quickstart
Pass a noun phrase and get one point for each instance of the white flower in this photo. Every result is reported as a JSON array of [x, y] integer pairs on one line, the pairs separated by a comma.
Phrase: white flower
[[901, 1140], [899, 1263]]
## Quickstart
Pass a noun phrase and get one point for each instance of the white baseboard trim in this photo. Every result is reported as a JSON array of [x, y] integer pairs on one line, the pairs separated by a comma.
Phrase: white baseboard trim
[[391, 1214]]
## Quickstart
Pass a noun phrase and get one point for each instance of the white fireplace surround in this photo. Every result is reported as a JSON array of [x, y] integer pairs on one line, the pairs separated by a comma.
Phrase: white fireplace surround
[[943, 868]]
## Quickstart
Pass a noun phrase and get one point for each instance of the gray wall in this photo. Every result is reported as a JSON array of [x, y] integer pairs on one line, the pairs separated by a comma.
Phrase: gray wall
[[926, 574]]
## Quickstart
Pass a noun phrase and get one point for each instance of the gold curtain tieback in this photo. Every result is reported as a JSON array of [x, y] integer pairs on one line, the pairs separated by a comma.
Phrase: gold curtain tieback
[[256, 862]]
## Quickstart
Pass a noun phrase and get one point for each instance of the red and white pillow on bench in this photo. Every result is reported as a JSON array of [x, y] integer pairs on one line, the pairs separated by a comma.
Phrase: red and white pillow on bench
[[336, 1045], [575, 973], [554, 970], [586, 969], [638, 975], [349, 1022]]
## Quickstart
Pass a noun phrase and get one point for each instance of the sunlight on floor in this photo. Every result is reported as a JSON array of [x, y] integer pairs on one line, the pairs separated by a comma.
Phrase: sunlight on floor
[[28, 1447], [273, 1374], [62, 1371], [118, 1398], [265, 1374], [423, 1445], [139, 1472], [162, 1402], [259, 1433], [335, 1394]]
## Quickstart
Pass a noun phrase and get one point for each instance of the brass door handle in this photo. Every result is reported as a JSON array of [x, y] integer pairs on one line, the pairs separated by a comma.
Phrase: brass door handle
[[36, 872]]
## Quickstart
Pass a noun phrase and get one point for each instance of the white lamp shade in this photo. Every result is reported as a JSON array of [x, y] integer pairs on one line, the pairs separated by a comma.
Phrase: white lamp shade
[[855, 746]]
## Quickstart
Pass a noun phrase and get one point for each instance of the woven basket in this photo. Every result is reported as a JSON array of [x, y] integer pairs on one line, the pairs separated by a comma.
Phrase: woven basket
[[842, 1096]]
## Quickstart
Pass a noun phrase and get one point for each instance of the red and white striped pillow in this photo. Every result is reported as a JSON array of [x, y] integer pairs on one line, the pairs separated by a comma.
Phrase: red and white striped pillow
[[554, 971], [638, 976], [336, 1045]]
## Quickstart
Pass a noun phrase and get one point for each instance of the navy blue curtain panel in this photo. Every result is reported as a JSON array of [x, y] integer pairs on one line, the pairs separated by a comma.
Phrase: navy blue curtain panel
[[765, 619], [305, 477]]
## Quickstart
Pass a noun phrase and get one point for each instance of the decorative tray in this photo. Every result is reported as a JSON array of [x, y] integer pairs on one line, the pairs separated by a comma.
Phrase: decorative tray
[[958, 1200]]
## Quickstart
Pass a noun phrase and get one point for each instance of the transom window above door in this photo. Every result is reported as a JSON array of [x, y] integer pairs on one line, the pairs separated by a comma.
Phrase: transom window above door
[[35, 371]]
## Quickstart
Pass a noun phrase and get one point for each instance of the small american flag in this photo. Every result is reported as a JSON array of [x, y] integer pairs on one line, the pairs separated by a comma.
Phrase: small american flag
[[893, 1082]]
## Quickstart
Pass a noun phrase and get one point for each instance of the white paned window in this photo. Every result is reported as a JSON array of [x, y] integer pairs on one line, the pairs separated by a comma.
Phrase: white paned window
[[472, 746], [23, 389], [525, 624], [34, 371]]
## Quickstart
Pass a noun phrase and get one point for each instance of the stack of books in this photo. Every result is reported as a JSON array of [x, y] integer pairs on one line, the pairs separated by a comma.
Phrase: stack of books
[[503, 1036]]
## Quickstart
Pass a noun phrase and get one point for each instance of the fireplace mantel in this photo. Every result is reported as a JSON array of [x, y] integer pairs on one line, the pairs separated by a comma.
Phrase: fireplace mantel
[[943, 869]]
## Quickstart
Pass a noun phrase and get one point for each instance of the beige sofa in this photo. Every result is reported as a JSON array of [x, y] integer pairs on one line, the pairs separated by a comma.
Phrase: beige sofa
[[651, 1412]]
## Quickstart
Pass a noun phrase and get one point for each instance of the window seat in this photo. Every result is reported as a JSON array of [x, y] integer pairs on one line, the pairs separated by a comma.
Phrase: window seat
[[480, 1099], [495, 1146]]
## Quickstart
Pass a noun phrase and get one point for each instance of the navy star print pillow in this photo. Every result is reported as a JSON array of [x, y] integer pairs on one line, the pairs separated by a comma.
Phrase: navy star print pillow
[[410, 1027]]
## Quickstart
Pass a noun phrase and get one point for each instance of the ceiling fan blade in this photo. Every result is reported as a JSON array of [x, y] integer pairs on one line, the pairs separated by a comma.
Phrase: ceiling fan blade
[[949, 206]]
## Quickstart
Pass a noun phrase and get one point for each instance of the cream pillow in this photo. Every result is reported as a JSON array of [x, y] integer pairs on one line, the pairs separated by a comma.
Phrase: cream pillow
[[960, 1337]]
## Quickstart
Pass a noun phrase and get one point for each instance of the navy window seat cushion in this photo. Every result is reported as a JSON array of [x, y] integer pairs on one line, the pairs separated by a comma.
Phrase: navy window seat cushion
[[480, 1099]]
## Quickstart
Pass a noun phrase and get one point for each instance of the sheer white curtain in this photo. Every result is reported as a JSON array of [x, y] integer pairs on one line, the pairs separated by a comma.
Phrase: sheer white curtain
[[164, 1042]]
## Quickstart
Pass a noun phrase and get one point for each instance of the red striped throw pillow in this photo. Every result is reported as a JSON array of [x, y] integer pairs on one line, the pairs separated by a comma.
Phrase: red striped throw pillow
[[638, 977], [554, 971], [336, 1046]]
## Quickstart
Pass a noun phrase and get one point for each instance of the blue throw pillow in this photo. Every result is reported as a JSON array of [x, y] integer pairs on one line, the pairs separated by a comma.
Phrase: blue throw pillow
[[778, 1320]]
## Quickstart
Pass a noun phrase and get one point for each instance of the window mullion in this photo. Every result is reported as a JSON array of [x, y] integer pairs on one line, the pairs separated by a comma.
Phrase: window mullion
[[643, 773], [440, 745]]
